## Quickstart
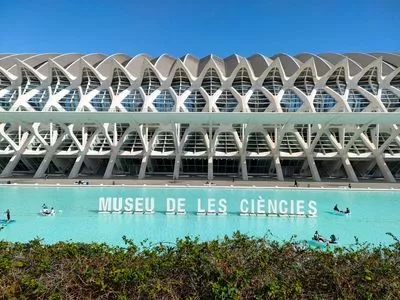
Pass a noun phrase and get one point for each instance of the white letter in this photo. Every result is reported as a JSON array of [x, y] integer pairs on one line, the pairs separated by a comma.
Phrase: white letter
[[149, 204], [181, 204], [128, 204], [312, 205], [222, 206], [211, 205], [292, 210], [260, 205], [283, 206], [104, 204], [139, 204], [272, 206], [170, 204], [244, 206], [117, 204], [199, 208], [300, 207]]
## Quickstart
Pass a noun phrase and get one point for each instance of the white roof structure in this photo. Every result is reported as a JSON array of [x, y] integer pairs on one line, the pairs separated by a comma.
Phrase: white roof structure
[[306, 116]]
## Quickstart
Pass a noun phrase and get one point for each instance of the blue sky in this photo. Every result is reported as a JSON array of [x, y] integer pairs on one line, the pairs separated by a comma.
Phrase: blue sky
[[199, 27]]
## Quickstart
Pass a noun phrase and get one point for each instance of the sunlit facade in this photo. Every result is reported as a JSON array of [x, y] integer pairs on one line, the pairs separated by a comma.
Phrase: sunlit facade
[[305, 116]]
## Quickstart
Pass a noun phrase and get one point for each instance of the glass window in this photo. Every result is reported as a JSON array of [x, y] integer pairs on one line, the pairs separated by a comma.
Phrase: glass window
[[58, 81], [4, 81], [290, 101], [337, 81], [39, 100], [89, 81], [164, 102], [195, 143], [242, 83], [70, 101], [150, 81], [226, 102], [305, 81], [119, 82], [29, 81], [369, 81], [180, 82], [258, 102], [356, 101], [323, 102], [8, 99], [133, 101], [102, 101], [195, 102], [390, 100], [211, 82], [396, 81], [273, 81]]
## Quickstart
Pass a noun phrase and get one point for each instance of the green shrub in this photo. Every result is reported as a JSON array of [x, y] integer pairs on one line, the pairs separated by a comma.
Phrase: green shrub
[[237, 267]]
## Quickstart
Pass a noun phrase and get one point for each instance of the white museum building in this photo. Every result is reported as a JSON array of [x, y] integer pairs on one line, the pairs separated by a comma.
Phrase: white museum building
[[281, 117]]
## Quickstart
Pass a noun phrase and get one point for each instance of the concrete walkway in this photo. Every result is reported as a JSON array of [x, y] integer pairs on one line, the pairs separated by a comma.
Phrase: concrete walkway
[[196, 181]]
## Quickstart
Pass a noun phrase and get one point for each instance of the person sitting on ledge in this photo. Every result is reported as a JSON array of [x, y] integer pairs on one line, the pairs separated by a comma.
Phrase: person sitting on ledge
[[336, 208], [347, 211], [333, 239]]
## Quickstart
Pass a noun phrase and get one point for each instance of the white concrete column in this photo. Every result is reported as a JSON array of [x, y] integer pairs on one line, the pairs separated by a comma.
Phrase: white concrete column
[[312, 166], [387, 174], [210, 173], [7, 172], [278, 168], [111, 163], [348, 168], [48, 158]]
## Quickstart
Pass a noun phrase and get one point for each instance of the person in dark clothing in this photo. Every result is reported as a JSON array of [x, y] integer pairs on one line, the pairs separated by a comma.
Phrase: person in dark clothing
[[8, 215], [336, 208]]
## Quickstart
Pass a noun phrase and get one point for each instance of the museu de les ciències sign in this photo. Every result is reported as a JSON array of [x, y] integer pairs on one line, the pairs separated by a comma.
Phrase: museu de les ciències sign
[[218, 206]]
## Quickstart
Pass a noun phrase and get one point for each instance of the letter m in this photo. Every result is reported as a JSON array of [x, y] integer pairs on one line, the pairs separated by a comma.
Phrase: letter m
[[105, 204]]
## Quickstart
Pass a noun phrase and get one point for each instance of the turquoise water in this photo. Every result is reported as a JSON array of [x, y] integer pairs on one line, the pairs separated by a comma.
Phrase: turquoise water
[[78, 219]]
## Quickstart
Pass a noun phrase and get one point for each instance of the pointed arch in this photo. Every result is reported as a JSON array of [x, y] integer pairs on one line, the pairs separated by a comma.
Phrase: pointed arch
[[369, 81], [195, 142], [211, 82], [242, 83], [150, 81], [337, 81], [89, 81], [396, 81], [59, 81], [226, 102], [273, 81], [180, 82], [257, 143], [258, 102], [4, 81], [29, 81], [120, 81], [305, 81]]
